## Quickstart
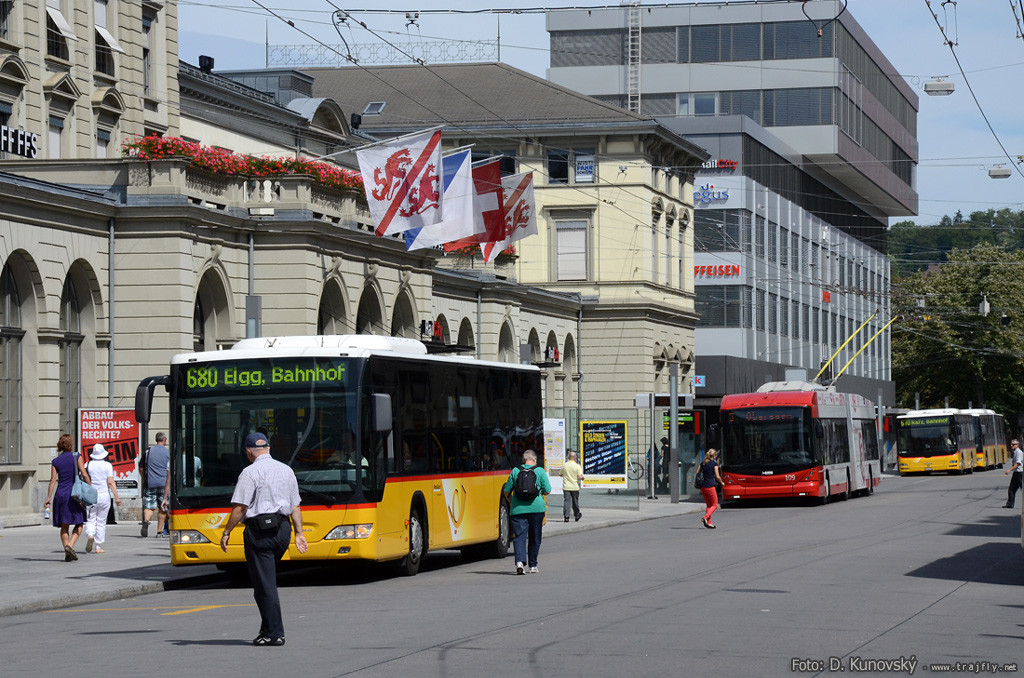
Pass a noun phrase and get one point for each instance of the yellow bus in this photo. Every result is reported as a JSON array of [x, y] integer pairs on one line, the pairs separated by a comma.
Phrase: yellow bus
[[936, 440], [396, 452], [991, 435]]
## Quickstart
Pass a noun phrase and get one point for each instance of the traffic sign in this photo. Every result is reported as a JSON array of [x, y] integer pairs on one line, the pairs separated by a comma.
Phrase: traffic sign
[[698, 381]]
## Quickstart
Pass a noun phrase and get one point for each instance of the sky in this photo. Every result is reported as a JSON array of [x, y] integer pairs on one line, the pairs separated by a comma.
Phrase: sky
[[956, 147]]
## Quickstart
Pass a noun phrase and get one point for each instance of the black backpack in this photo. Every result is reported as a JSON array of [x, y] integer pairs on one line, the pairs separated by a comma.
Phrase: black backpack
[[525, 488]]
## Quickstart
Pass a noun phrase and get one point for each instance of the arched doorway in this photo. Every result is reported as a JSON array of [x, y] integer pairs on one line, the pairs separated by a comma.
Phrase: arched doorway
[[211, 318], [331, 317], [506, 344], [403, 320], [370, 316]]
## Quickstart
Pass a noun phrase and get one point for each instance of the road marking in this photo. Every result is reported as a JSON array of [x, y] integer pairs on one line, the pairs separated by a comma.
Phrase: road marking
[[178, 609], [204, 608]]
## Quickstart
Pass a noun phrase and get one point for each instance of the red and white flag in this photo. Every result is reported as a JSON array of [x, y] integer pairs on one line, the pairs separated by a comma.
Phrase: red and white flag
[[520, 213], [403, 182], [488, 215]]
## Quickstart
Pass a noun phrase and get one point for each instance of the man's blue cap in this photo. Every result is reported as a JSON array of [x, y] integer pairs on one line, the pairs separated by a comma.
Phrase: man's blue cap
[[256, 439]]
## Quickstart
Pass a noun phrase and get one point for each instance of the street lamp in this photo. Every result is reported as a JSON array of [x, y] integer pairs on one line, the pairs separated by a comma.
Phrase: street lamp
[[999, 172], [938, 87]]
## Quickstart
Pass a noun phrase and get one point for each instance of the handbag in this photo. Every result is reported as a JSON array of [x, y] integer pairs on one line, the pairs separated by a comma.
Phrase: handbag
[[82, 492], [698, 480]]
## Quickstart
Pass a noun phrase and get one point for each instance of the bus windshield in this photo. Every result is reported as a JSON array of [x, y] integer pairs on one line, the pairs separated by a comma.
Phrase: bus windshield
[[775, 439], [306, 407], [929, 437]]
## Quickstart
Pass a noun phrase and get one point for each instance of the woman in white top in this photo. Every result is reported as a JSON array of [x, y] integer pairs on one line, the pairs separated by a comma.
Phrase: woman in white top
[[102, 475]]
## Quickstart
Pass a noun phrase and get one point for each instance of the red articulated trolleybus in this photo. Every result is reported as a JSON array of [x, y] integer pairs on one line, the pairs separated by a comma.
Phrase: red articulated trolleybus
[[798, 439]]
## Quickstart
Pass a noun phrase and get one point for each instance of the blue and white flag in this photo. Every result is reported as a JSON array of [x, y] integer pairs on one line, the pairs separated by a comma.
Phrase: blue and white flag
[[457, 201]]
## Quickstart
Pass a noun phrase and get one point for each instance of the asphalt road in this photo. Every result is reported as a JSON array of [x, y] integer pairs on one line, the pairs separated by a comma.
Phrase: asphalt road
[[928, 570]]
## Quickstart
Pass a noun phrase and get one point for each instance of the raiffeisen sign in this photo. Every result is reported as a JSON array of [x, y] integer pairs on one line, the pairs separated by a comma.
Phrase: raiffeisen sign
[[18, 142], [718, 271]]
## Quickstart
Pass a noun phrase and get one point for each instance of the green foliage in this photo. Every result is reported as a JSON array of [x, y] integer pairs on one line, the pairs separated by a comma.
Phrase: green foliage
[[913, 248], [945, 347]]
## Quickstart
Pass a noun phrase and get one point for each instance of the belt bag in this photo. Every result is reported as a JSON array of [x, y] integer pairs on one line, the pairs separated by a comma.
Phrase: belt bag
[[266, 522]]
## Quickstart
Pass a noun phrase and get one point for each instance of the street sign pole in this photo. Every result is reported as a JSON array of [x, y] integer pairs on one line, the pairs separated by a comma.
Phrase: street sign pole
[[673, 434]]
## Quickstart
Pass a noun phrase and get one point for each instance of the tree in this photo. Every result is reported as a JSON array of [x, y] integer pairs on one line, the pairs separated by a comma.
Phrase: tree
[[944, 347]]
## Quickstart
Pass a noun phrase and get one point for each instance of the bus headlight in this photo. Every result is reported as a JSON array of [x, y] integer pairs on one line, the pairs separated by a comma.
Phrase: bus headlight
[[351, 531], [188, 537]]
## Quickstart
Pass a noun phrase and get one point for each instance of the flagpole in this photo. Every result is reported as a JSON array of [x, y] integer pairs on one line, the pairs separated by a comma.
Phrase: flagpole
[[377, 143], [492, 158]]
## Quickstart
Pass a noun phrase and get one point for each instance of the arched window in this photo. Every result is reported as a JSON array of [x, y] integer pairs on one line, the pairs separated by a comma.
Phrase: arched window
[[70, 357], [11, 334]]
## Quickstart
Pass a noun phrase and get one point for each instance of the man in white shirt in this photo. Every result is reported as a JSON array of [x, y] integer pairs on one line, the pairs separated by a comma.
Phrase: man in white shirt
[[266, 495], [1016, 473]]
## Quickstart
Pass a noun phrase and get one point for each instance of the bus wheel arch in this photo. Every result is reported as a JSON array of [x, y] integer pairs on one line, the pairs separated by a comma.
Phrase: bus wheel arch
[[410, 564], [825, 498], [847, 493]]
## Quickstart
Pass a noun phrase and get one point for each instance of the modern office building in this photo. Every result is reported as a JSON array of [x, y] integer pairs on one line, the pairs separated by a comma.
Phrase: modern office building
[[813, 147]]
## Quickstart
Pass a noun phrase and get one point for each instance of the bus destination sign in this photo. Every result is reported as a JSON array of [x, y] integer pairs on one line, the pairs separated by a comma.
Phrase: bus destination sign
[[924, 421], [253, 374]]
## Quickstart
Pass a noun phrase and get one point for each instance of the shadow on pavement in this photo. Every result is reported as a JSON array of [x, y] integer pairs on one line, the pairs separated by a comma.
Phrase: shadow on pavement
[[994, 527], [999, 563]]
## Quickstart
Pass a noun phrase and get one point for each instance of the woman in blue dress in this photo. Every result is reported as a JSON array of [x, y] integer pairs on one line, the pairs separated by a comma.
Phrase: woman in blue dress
[[66, 511]]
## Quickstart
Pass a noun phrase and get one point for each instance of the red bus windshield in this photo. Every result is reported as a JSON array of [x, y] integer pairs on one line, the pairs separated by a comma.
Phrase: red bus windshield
[[776, 439]]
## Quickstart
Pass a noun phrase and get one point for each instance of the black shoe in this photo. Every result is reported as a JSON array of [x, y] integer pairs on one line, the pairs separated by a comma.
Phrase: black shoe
[[145, 528], [1007, 505], [566, 520], [577, 518], [261, 641]]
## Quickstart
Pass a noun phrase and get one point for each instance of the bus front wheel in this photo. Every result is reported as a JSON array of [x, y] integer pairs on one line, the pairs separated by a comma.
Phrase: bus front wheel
[[410, 564]]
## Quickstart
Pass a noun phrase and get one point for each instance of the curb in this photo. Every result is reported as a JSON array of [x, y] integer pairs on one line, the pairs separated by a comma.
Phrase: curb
[[113, 594]]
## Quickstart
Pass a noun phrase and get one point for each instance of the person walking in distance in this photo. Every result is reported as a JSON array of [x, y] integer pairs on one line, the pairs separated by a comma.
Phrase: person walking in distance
[[68, 514], [527, 485], [157, 461], [265, 496], [708, 481], [101, 473], [1016, 473], [572, 477]]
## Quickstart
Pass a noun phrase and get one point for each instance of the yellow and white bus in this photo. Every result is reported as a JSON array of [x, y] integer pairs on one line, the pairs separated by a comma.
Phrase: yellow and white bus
[[991, 435], [937, 440], [396, 452]]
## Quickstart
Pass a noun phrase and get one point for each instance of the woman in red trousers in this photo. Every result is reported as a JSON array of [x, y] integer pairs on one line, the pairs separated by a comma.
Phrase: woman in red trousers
[[709, 488]]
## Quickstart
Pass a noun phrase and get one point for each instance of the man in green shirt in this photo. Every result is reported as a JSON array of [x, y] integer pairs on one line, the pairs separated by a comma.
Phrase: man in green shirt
[[527, 509]]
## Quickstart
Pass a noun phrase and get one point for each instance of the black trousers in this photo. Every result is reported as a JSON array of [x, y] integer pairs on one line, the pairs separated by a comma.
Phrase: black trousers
[[1015, 484], [570, 502], [263, 551]]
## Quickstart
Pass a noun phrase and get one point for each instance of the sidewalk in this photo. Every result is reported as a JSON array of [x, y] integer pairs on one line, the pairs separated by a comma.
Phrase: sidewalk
[[36, 577]]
